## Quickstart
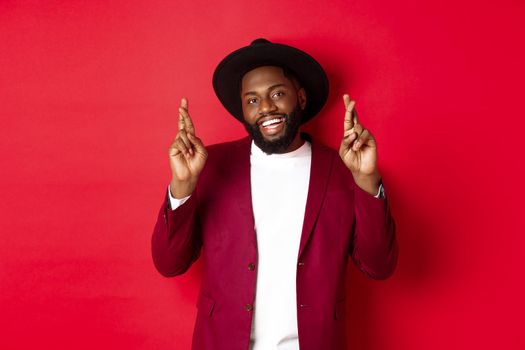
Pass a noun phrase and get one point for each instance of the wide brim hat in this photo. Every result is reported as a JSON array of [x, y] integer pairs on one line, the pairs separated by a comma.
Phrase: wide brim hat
[[228, 75]]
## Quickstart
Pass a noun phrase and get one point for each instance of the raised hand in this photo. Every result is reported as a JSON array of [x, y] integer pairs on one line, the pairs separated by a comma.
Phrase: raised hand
[[187, 155], [358, 150]]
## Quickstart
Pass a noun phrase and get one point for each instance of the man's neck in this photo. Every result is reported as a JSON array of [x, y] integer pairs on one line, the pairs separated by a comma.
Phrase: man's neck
[[296, 143]]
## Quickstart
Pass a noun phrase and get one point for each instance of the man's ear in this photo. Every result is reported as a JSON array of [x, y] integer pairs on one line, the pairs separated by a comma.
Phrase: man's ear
[[301, 98]]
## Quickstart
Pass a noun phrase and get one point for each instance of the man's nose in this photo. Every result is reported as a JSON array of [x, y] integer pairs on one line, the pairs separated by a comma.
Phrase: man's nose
[[266, 106]]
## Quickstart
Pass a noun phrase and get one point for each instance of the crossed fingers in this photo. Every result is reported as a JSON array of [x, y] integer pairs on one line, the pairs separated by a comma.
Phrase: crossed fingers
[[186, 130], [354, 134], [185, 121]]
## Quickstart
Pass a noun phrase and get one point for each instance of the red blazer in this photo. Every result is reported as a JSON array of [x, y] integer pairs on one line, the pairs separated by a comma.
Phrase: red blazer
[[341, 220]]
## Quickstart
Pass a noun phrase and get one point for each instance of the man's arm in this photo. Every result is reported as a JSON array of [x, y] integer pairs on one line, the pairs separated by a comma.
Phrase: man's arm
[[374, 248], [176, 240]]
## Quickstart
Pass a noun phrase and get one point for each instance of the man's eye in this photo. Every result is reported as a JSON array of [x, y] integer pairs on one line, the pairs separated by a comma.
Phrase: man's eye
[[278, 94], [252, 100]]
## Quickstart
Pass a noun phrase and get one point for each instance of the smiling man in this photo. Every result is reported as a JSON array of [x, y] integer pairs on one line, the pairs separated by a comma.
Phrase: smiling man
[[275, 214], [273, 102]]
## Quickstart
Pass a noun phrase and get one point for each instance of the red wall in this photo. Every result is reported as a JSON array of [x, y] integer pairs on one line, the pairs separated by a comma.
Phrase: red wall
[[89, 92]]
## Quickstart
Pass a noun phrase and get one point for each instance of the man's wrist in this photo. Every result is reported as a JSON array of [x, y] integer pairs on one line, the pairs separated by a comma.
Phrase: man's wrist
[[369, 183], [181, 190], [174, 203]]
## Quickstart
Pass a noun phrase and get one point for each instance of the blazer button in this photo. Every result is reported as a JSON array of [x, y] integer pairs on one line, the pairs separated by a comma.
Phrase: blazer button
[[248, 307], [251, 266]]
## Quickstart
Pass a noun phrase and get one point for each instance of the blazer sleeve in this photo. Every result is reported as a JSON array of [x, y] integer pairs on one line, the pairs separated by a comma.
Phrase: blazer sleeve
[[176, 240], [374, 248]]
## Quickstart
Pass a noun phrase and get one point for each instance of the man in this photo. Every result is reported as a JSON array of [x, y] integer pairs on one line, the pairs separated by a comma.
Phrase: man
[[275, 214]]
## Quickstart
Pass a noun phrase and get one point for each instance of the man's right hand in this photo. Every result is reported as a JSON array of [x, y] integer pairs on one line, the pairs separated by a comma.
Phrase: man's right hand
[[187, 156]]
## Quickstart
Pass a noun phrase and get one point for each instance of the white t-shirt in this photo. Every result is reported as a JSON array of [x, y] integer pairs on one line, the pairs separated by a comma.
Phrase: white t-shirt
[[279, 190]]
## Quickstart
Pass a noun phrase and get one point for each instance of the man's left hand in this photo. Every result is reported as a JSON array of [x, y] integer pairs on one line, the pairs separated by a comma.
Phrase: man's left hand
[[358, 150]]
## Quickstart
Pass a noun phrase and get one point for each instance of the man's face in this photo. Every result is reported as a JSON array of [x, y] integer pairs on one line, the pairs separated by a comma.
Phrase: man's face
[[272, 106]]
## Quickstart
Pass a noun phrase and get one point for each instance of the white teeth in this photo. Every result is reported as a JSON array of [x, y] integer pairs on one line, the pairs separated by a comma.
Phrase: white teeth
[[271, 121]]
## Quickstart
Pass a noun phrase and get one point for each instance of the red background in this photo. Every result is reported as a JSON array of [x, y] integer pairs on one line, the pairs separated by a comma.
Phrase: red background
[[89, 92]]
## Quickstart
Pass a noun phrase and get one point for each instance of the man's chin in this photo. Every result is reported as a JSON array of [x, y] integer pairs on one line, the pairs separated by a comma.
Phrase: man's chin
[[274, 138], [278, 142]]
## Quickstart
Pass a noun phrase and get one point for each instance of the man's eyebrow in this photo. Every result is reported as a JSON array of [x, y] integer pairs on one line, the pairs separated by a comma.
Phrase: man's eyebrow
[[270, 88]]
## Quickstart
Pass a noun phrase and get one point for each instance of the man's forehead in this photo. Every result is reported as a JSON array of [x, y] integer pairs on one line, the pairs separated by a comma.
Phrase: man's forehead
[[265, 76], [264, 72]]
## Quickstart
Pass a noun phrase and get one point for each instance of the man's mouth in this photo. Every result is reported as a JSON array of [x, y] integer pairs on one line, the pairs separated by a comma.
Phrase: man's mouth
[[271, 124]]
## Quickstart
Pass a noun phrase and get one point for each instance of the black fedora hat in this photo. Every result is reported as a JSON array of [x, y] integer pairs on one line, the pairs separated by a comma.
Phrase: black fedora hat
[[261, 52]]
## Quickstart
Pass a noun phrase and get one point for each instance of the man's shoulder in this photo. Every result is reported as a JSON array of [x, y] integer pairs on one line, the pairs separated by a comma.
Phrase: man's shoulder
[[318, 147], [226, 161], [321, 150], [229, 146]]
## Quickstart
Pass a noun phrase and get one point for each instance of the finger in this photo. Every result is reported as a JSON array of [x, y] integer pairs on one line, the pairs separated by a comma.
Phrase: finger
[[181, 121], [349, 122], [345, 149], [183, 135], [184, 103], [181, 146], [197, 143], [346, 100], [177, 148], [173, 150], [187, 120], [355, 118], [358, 128], [349, 137], [365, 138]]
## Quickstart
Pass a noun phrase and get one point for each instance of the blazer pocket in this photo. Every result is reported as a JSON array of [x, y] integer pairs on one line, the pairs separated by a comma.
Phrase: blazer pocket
[[205, 304], [339, 310]]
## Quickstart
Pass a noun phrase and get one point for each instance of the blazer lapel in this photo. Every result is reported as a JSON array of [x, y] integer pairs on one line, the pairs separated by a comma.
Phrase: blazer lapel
[[241, 169], [319, 174]]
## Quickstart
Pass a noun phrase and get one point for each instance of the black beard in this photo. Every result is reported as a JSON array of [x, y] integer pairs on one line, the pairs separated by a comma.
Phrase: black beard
[[292, 122]]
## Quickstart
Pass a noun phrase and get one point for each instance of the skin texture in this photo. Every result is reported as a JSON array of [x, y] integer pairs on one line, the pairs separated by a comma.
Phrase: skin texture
[[266, 93]]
